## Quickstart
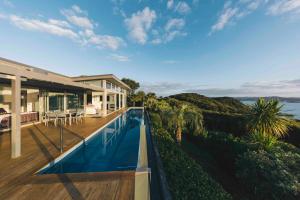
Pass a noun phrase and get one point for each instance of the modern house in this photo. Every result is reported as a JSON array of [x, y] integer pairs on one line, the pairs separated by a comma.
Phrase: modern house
[[27, 93]]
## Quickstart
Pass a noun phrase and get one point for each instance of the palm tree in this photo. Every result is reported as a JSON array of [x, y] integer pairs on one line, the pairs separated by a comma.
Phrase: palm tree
[[193, 122], [265, 118], [180, 121]]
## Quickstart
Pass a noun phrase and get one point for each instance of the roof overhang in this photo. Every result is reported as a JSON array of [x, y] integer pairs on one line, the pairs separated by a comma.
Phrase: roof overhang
[[109, 77], [35, 76]]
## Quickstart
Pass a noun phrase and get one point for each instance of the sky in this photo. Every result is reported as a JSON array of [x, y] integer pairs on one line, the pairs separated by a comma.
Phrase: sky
[[211, 47]]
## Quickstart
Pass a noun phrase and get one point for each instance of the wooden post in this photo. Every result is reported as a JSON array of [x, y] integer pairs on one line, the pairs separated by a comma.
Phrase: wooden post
[[16, 117]]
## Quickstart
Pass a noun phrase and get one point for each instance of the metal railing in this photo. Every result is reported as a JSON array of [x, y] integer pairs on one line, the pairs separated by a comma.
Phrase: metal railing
[[61, 134]]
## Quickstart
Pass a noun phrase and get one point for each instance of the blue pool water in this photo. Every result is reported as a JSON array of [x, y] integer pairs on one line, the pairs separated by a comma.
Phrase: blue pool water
[[113, 148]]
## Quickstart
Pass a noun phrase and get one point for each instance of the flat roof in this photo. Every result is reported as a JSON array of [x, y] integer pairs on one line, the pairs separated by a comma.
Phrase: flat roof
[[110, 77], [10, 67]]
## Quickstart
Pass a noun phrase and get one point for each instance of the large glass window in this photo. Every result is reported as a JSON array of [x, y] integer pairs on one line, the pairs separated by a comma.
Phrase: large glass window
[[56, 101], [24, 101], [72, 101]]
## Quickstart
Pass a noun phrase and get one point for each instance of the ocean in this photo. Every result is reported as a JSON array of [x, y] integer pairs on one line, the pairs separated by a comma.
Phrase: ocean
[[288, 108]]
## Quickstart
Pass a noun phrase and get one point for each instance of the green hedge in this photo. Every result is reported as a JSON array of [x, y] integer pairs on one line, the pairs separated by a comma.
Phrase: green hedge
[[225, 122], [294, 135], [185, 177], [270, 175]]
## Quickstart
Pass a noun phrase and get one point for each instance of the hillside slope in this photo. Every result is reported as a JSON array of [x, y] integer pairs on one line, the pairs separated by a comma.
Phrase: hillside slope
[[218, 104]]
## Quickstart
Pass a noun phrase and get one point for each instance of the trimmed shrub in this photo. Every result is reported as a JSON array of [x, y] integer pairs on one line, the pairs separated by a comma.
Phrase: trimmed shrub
[[185, 177], [268, 176], [225, 122], [225, 147]]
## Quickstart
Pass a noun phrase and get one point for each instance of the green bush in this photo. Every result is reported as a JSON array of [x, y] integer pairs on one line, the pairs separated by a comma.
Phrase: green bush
[[156, 120], [225, 147], [185, 177], [270, 175], [225, 122]]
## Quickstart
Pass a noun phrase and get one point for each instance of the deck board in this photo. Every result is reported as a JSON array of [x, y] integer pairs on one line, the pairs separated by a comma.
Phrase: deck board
[[40, 145]]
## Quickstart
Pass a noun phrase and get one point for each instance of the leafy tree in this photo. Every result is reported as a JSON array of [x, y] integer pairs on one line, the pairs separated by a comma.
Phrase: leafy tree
[[151, 95], [265, 118], [138, 98], [150, 100], [132, 84]]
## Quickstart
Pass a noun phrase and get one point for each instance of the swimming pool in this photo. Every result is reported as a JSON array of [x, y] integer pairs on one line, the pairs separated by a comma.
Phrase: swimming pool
[[113, 148]]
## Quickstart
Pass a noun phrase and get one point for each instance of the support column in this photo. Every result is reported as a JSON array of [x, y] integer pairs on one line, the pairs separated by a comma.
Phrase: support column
[[65, 101], [84, 102], [123, 105], [115, 101], [16, 117], [104, 99], [41, 106], [120, 101], [125, 98], [47, 103]]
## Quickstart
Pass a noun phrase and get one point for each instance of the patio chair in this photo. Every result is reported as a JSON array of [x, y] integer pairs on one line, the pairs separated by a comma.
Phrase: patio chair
[[79, 115], [50, 116], [62, 116], [72, 116]]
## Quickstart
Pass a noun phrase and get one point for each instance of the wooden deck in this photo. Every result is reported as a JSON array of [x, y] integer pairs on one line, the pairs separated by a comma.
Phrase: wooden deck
[[40, 145]]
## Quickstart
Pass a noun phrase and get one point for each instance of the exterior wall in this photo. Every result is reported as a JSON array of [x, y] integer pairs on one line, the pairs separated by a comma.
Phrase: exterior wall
[[31, 105], [94, 82]]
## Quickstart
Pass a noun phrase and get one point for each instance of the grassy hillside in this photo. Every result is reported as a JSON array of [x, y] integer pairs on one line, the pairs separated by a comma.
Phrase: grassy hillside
[[219, 104]]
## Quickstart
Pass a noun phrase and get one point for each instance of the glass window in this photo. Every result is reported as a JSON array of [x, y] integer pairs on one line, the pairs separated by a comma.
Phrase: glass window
[[56, 102], [72, 101]]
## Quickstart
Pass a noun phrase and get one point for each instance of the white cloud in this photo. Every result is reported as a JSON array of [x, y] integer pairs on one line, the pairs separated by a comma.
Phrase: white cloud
[[60, 23], [233, 12], [101, 41], [173, 34], [170, 4], [182, 8], [78, 17], [284, 88], [42, 26], [78, 10], [174, 23], [83, 33], [120, 58], [284, 6], [224, 18], [173, 28], [156, 41], [139, 24], [168, 88]]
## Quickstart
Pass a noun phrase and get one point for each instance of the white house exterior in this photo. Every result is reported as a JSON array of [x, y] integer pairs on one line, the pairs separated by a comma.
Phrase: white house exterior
[[27, 92]]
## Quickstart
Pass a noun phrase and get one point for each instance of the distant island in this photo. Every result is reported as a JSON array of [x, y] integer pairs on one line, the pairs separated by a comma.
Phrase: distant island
[[282, 99]]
